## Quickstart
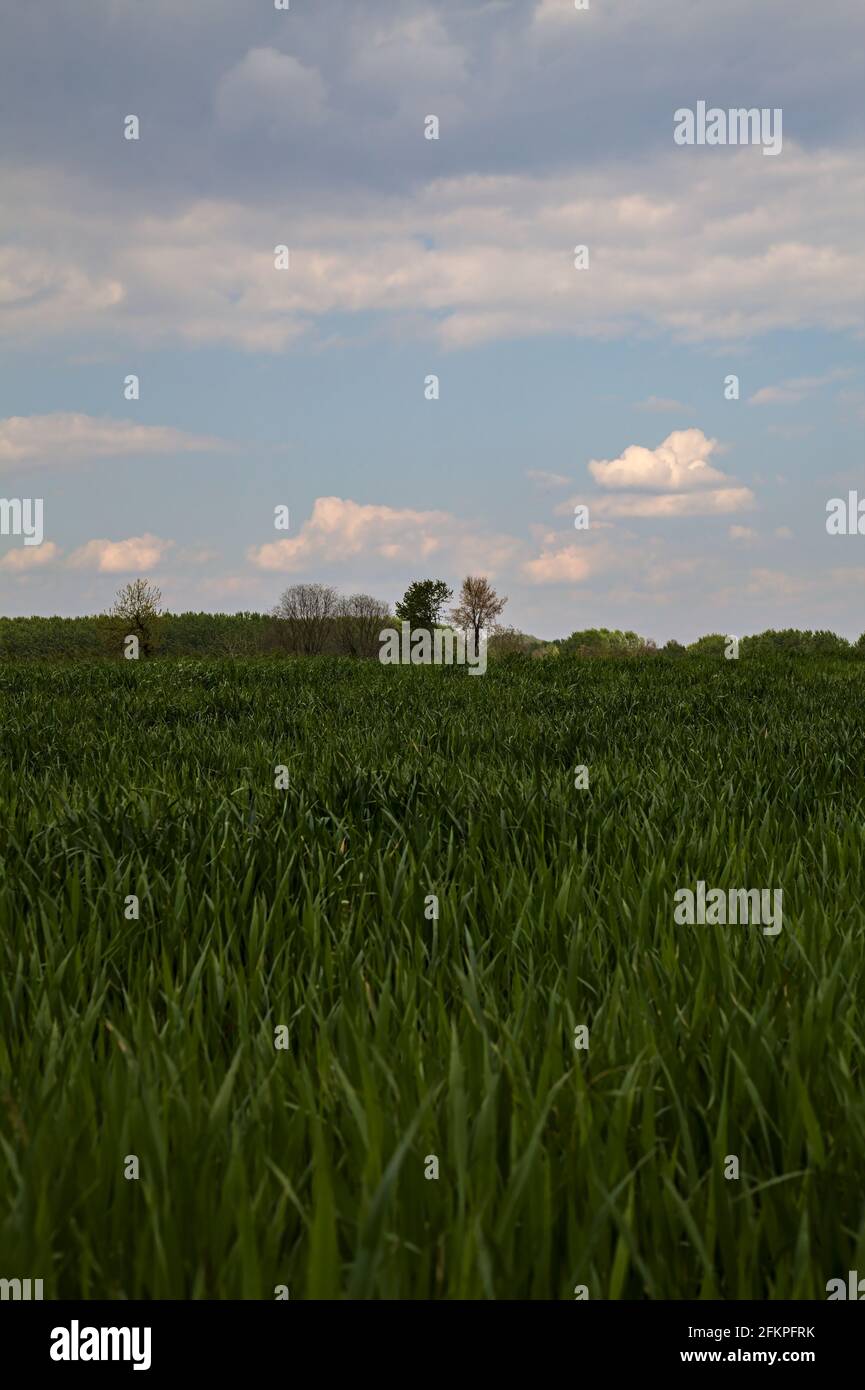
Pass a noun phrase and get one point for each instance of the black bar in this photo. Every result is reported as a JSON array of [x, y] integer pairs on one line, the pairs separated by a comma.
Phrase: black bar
[[381, 1339]]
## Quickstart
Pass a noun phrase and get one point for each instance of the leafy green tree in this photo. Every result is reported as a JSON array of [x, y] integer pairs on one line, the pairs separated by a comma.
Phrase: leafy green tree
[[793, 642], [422, 603], [603, 641], [713, 644]]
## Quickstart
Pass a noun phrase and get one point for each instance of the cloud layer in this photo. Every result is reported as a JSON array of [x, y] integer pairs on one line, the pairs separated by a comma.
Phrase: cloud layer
[[464, 261]]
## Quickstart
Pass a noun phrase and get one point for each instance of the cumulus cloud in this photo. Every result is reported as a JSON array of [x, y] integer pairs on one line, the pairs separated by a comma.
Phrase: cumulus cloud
[[678, 464], [137, 553], [568, 564], [650, 567], [61, 437], [339, 530], [272, 91], [30, 557], [673, 479]]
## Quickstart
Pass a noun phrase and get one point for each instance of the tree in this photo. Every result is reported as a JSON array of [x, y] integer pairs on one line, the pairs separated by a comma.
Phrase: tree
[[479, 606], [423, 602], [361, 618], [307, 612], [713, 644], [793, 642], [137, 612], [604, 641]]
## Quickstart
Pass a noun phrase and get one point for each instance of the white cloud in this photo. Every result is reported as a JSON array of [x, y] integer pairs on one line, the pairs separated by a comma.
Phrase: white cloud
[[51, 291], [672, 480], [272, 91], [796, 389], [339, 530], [570, 564], [650, 567], [742, 533], [677, 464], [775, 395], [30, 557], [61, 437], [120, 557], [715, 502]]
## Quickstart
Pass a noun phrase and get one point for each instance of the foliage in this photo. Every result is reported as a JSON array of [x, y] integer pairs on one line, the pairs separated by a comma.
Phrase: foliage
[[423, 602], [713, 644], [602, 641], [791, 642]]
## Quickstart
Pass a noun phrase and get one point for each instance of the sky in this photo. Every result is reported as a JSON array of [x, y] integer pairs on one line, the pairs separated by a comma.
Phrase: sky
[[563, 379]]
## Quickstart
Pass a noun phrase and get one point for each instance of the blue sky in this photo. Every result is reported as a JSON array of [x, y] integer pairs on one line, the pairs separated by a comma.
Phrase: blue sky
[[455, 257]]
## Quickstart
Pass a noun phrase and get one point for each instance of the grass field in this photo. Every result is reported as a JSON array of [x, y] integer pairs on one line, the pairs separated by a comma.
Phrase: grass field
[[411, 1037]]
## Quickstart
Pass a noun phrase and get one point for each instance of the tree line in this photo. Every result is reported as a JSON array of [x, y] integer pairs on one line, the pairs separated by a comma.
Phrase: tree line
[[313, 619]]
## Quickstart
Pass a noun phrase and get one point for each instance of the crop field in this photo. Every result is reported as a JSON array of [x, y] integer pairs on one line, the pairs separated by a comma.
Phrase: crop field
[[413, 1017]]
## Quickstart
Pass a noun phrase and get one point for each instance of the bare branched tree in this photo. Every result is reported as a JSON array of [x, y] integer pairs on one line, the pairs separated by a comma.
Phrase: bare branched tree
[[361, 619], [308, 612], [479, 606]]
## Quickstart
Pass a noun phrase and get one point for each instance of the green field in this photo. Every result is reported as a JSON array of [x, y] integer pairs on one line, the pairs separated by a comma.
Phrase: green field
[[410, 1037]]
